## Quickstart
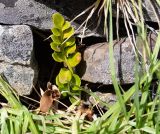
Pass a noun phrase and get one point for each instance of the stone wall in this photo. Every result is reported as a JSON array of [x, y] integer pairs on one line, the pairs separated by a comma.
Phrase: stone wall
[[17, 61], [25, 54], [95, 67]]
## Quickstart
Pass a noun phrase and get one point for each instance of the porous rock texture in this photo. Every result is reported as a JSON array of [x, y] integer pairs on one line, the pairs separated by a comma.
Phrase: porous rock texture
[[27, 12], [17, 62], [36, 13]]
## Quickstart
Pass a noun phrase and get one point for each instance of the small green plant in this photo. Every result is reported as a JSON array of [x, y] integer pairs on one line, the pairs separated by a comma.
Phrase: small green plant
[[64, 47]]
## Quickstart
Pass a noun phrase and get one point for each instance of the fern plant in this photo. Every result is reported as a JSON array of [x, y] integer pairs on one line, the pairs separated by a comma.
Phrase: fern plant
[[64, 46]]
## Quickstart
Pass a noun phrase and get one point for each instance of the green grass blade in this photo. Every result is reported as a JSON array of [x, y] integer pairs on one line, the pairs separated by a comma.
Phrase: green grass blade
[[4, 125], [16, 112], [111, 61], [17, 126], [75, 126], [153, 108], [25, 123], [148, 130], [11, 126], [157, 117], [59, 130], [156, 49], [143, 107], [50, 129], [114, 123], [43, 124], [9, 94], [136, 95], [32, 126]]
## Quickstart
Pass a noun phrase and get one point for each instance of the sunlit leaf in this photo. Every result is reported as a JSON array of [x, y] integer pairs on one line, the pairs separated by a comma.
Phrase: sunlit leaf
[[58, 20], [68, 32], [56, 39], [158, 74], [64, 76], [60, 85], [56, 31], [70, 42], [66, 25], [59, 57], [76, 82], [74, 59], [64, 94], [72, 99], [55, 47], [70, 50]]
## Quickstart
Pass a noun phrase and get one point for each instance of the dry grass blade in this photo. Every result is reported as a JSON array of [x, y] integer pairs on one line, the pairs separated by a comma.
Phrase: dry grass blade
[[85, 11], [117, 21], [142, 116], [128, 14], [101, 7], [154, 10], [89, 16], [9, 93], [106, 10]]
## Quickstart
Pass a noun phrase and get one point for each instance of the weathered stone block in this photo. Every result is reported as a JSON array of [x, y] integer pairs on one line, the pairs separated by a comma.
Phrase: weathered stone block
[[16, 43], [19, 77], [25, 12], [35, 13], [97, 63], [95, 66], [38, 13], [17, 61]]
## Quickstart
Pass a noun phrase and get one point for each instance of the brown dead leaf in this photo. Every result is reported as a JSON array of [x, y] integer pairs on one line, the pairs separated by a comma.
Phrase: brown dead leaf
[[83, 109], [49, 98]]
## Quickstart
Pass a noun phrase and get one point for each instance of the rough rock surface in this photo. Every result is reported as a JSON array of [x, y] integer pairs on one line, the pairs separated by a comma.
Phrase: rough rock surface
[[16, 44], [19, 77], [97, 63], [38, 13], [16, 57], [35, 13], [71, 9], [148, 7], [95, 66], [25, 12]]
